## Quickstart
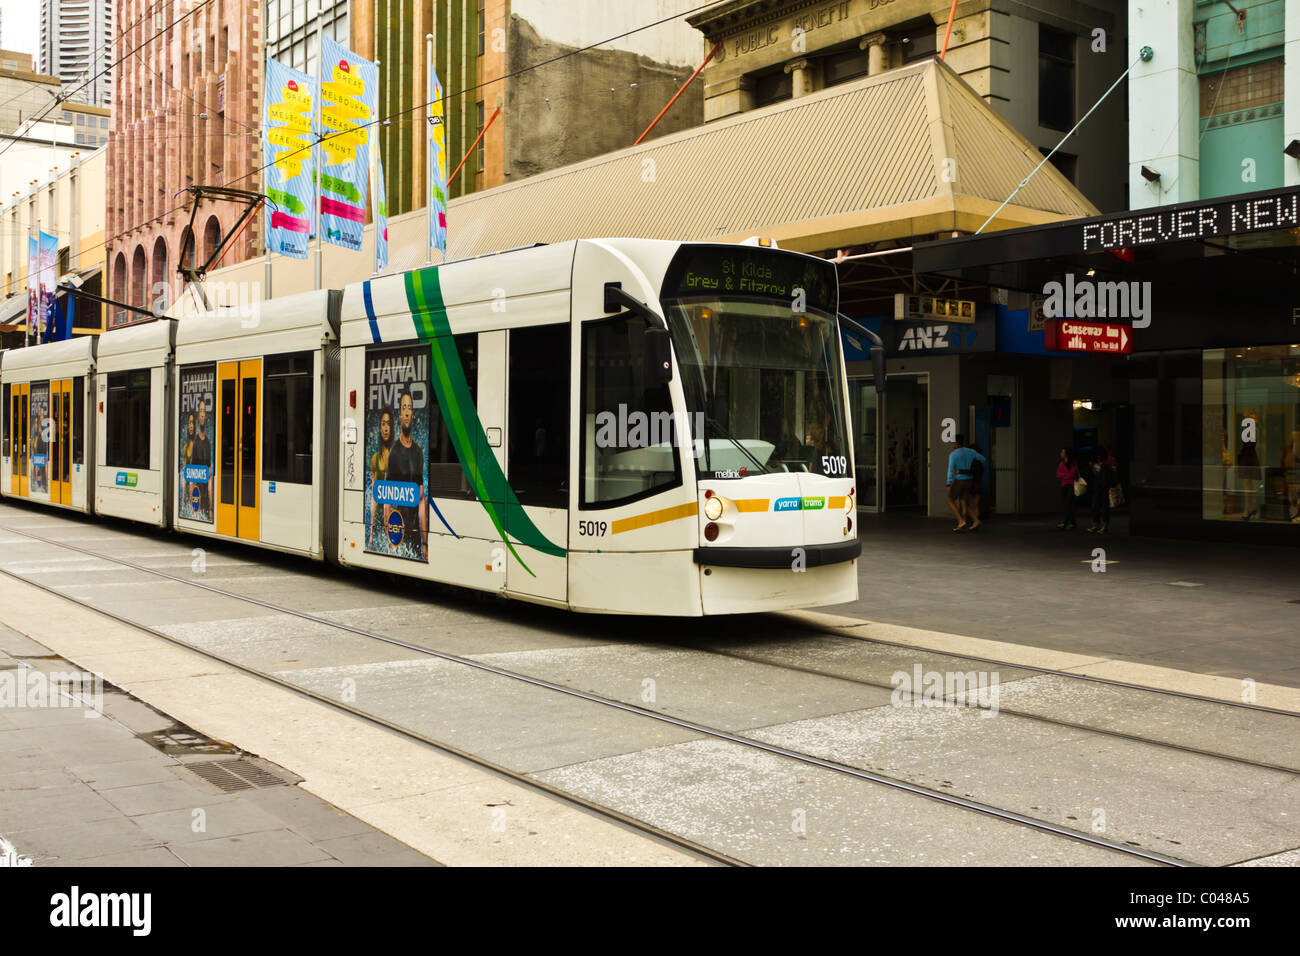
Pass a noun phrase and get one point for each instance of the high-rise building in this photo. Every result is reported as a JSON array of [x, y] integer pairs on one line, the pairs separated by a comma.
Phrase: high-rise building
[[75, 39], [186, 112]]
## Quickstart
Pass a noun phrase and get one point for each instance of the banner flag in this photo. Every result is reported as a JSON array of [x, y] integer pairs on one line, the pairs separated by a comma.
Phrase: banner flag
[[42, 257], [438, 186], [348, 92], [287, 153]]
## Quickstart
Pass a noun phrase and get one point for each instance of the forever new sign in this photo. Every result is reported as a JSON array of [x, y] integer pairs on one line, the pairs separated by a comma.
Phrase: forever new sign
[[1196, 222]]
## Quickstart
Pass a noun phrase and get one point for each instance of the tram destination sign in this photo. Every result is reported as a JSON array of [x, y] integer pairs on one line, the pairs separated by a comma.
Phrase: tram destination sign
[[751, 272]]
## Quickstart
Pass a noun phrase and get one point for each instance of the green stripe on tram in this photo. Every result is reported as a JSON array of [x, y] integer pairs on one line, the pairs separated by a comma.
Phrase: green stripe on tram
[[429, 316]]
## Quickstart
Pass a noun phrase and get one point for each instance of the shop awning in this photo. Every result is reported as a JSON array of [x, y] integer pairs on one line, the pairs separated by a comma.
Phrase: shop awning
[[856, 163], [13, 312]]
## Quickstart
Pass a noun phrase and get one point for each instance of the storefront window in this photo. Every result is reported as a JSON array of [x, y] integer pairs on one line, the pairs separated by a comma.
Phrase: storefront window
[[1251, 436]]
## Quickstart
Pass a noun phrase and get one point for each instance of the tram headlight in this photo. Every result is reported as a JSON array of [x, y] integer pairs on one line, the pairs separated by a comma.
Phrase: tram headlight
[[849, 503], [713, 507]]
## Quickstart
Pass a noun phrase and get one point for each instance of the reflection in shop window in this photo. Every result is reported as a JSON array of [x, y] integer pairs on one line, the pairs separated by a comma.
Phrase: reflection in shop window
[[1252, 434]]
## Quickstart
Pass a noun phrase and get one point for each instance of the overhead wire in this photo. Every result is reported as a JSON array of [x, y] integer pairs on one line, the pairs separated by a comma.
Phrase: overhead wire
[[398, 113]]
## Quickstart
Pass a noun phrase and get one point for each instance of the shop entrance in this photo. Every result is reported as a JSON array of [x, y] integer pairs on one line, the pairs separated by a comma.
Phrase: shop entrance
[[891, 446]]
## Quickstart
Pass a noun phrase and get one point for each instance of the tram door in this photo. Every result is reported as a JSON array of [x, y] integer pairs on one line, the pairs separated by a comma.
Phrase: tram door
[[238, 448], [59, 454], [18, 429]]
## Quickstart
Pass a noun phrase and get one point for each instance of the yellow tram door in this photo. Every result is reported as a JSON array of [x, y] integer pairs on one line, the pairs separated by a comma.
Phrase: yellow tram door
[[18, 403], [239, 448], [59, 450]]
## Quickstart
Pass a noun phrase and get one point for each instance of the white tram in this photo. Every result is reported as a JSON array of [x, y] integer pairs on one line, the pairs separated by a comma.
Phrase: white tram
[[48, 439], [621, 425], [519, 423]]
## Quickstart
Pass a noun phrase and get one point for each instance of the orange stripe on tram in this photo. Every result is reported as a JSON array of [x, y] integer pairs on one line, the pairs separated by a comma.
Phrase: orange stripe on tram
[[837, 501], [636, 522], [751, 504]]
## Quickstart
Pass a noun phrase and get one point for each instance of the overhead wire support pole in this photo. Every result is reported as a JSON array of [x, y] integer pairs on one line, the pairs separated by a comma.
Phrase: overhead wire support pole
[[1025, 182], [952, 15], [698, 70]]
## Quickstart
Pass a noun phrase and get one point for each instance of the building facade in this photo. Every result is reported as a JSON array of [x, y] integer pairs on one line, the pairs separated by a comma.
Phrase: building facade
[[186, 112], [1041, 64], [76, 37], [1224, 64], [64, 200], [564, 96]]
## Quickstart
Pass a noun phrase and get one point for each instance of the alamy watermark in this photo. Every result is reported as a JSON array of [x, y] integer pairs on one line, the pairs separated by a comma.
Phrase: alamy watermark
[[638, 429], [1086, 299], [922, 688], [26, 687]]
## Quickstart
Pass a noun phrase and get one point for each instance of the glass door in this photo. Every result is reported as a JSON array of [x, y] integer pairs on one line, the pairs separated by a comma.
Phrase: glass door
[[907, 442], [866, 462]]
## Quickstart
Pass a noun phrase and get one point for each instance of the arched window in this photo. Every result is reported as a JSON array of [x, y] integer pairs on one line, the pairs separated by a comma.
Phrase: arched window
[[190, 253], [120, 291], [211, 237], [158, 277], [139, 294]]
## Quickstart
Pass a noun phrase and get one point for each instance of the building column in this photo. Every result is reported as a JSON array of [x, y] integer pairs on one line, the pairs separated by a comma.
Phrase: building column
[[1164, 100], [801, 76], [875, 47], [1291, 91]]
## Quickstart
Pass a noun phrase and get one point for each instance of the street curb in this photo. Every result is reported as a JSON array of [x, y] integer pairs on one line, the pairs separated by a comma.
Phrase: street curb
[[1212, 687]]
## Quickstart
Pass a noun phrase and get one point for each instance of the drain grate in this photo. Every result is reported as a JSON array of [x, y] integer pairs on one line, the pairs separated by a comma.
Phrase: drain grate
[[232, 776]]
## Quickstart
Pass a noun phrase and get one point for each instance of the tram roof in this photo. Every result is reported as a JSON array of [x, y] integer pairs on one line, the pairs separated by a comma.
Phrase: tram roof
[[305, 312], [78, 350]]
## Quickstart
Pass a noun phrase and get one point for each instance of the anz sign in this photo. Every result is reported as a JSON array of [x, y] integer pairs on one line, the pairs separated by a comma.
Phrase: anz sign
[[911, 338]]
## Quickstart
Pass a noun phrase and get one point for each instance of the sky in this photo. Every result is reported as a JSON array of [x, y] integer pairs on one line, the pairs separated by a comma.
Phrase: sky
[[20, 26]]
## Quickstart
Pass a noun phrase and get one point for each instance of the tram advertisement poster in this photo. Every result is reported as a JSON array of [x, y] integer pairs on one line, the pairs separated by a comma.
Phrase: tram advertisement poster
[[40, 428], [197, 425], [397, 467]]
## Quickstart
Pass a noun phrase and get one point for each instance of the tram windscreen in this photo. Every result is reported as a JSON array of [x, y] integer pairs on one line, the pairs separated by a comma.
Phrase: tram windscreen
[[758, 346]]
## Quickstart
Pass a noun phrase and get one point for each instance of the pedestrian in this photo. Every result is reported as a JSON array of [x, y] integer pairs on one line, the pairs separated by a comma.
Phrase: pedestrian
[[1103, 479], [961, 481], [1066, 473]]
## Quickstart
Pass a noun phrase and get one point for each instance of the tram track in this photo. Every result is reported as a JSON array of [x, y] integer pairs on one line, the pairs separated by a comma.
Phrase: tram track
[[703, 730]]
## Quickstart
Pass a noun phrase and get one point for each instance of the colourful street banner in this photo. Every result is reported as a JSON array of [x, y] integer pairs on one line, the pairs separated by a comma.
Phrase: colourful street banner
[[287, 153], [348, 93], [379, 204], [42, 257], [438, 187]]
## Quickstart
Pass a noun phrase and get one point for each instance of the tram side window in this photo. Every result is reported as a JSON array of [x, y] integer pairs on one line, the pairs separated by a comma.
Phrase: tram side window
[[127, 419], [78, 420], [4, 423], [446, 475], [289, 421], [628, 450], [538, 459]]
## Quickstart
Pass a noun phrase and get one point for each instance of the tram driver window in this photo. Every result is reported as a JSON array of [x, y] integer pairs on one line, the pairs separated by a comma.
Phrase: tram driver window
[[628, 451], [127, 419], [288, 423]]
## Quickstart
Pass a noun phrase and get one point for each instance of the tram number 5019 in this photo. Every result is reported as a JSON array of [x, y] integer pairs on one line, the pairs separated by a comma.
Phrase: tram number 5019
[[835, 465], [592, 529]]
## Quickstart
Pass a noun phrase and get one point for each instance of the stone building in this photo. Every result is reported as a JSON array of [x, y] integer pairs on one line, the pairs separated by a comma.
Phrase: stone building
[[186, 112], [1041, 64]]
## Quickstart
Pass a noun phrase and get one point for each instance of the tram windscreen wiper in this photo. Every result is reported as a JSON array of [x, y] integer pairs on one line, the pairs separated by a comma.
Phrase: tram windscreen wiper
[[717, 425]]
